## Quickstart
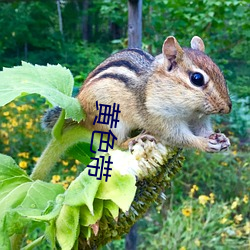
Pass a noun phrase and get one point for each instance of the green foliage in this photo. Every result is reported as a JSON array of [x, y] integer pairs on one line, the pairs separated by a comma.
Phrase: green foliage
[[52, 82]]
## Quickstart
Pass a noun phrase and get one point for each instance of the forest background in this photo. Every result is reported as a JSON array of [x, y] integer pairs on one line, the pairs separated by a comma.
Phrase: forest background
[[207, 205]]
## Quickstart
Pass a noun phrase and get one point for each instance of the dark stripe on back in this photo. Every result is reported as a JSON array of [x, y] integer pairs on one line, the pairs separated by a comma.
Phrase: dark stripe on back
[[118, 63], [118, 77], [142, 53]]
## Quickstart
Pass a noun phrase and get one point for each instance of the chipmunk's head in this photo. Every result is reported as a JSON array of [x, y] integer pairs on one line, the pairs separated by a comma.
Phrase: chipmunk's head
[[197, 74]]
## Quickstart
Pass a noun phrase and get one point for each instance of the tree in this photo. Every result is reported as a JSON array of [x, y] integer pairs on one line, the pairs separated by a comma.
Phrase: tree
[[134, 23]]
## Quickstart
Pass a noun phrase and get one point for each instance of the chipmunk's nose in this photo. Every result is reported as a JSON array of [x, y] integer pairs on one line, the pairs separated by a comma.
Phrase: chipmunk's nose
[[227, 108]]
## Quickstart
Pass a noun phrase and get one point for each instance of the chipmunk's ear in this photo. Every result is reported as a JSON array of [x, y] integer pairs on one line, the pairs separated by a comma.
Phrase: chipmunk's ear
[[171, 49], [197, 43]]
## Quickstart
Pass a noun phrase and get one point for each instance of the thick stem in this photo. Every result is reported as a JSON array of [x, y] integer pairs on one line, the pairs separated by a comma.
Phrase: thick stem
[[57, 147]]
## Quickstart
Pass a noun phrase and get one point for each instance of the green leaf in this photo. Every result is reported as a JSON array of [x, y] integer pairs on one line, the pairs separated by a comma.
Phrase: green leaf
[[67, 226], [11, 183], [81, 152], [9, 168], [82, 191], [39, 194], [53, 82], [87, 218], [119, 188], [112, 208]]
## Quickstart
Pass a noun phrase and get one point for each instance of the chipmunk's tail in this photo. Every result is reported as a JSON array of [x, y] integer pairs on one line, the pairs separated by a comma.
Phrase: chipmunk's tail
[[50, 117]]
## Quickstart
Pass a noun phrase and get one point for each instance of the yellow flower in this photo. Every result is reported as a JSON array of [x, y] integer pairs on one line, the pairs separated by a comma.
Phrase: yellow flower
[[197, 242], [238, 233], [70, 178], [14, 123], [234, 152], [73, 168], [235, 203], [24, 154], [6, 113], [77, 162], [223, 220], [65, 185], [203, 199], [35, 159], [247, 227], [223, 235], [187, 211], [238, 218], [29, 124], [55, 178], [23, 164], [193, 190], [65, 163], [224, 164], [245, 199], [183, 248], [211, 195]]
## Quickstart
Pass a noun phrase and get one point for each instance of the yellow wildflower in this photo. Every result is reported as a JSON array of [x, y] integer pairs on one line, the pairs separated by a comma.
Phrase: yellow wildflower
[[224, 164], [247, 227], [183, 248], [211, 195], [29, 124], [203, 199], [223, 235], [235, 203], [193, 190], [197, 242], [70, 178], [24, 154], [23, 164], [238, 233], [35, 159], [73, 168], [238, 218], [14, 123], [65, 163], [6, 113], [234, 152], [245, 199], [55, 178], [187, 211], [223, 220], [77, 162], [65, 185]]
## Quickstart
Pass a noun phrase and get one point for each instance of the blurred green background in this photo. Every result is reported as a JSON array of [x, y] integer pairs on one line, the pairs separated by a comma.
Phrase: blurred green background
[[207, 206]]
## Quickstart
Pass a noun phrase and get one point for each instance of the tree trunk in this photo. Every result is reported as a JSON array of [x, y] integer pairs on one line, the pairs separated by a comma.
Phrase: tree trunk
[[131, 238], [85, 20], [59, 16], [135, 23]]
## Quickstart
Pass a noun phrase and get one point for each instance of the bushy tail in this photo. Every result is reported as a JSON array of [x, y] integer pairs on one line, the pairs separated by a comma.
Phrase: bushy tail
[[50, 118]]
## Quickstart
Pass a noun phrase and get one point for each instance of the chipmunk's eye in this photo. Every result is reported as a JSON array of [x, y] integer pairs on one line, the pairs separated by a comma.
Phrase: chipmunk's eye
[[197, 79]]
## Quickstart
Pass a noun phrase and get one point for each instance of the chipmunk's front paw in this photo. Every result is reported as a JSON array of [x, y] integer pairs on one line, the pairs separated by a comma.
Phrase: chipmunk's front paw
[[218, 142], [141, 139]]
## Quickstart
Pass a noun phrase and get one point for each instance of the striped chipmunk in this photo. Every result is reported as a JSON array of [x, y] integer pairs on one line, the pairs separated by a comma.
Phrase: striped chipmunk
[[169, 97]]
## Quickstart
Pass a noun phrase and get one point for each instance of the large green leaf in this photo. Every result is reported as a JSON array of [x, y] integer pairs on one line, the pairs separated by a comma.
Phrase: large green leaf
[[9, 168], [53, 82], [67, 226], [21, 199], [119, 188], [82, 191]]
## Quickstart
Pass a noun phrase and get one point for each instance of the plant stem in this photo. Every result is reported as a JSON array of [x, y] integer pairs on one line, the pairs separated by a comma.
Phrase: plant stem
[[56, 147]]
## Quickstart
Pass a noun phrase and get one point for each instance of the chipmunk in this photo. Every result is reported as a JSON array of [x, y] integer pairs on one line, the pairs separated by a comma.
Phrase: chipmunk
[[169, 97]]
